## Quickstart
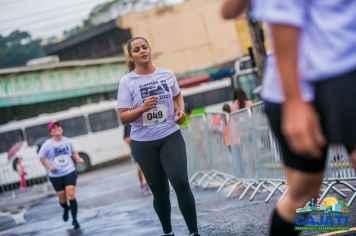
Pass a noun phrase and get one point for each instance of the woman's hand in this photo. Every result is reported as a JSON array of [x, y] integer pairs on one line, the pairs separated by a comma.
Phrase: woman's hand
[[179, 116], [52, 168], [302, 129], [127, 140], [77, 158], [150, 102], [80, 161]]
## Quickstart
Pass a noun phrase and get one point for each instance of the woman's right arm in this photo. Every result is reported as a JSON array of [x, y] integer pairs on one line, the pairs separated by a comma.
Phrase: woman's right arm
[[45, 163], [130, 115]]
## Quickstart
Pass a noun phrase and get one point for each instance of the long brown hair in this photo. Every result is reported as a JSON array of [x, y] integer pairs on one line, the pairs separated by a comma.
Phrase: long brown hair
[[131, 64], [240, 97]]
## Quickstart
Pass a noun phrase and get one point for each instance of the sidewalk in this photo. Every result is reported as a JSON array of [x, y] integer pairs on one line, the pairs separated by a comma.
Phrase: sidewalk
[[15, 201], [14, 204]]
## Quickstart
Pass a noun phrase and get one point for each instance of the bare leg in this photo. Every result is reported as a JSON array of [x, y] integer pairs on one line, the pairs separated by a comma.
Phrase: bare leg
[[73, 205], [63, 202], [141, 177], [62, 196], [302, 188]]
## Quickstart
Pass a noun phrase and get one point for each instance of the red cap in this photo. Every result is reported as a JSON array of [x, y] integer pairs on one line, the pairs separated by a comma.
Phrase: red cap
[[52, 123]]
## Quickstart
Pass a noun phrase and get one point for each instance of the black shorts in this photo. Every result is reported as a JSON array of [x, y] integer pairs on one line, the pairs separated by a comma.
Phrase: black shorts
[[59, 183], [289, 157], [335, 101]]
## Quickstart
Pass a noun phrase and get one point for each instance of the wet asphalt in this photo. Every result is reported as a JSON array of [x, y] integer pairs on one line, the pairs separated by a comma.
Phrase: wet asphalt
[[110, 203]]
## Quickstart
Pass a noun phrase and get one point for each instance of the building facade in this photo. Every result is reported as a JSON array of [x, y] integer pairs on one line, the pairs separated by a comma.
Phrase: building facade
[[186, 36], [32, 90]]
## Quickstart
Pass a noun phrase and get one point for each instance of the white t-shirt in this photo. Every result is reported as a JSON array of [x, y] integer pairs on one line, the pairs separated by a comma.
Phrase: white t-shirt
[[158, 122], [327, 33], [271, 86], [58, 155]]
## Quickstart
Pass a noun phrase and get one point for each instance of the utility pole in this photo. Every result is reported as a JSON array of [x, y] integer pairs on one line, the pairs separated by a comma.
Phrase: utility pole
[[257, 39]]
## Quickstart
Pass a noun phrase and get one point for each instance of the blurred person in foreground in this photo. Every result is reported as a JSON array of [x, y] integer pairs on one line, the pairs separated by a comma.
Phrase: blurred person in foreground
[[56, 156], [311, 104], [143, 184], [150, 99]]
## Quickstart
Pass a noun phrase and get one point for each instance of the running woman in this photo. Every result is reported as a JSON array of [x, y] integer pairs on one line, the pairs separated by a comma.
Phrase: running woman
[[56, 156], [149, 98], [306, 45]]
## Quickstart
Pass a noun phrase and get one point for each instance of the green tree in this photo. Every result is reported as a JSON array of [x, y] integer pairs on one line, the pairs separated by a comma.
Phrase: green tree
[[17, 48]]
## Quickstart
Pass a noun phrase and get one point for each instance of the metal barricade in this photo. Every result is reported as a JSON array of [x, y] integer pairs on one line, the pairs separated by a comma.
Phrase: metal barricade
[[249, 155], [209, 157], [243, 148], [200, 153], [339, 171], [270, 168], [192, 169], [219, 148]]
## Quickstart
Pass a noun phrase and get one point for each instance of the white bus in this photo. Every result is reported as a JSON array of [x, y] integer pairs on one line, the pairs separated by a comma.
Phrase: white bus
[[95, 130]]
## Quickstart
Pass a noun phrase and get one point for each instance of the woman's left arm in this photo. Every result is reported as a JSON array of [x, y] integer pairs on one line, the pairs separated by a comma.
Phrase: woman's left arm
[[77, 158], [179, 108]]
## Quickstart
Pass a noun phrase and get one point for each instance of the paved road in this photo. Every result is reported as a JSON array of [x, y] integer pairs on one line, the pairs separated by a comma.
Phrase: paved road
[[111, 204]]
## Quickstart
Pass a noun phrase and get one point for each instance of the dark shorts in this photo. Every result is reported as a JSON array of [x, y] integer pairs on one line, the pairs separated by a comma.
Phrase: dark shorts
[[335, 101], [289, 157], [59, 183]]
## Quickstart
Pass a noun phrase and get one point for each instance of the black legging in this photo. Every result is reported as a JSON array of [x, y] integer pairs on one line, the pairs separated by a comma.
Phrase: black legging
[[161, 160]]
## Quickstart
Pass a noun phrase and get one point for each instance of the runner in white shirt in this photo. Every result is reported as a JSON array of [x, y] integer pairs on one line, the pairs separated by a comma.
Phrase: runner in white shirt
[[320, 54], [149, 98], [56, 156]]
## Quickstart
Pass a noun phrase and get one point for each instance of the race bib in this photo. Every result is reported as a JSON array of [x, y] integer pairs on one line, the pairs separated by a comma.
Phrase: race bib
[[62, 160], [155, 115]]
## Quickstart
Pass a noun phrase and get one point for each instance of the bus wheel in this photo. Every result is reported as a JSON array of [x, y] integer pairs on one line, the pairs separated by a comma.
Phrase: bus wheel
[[83, 167]]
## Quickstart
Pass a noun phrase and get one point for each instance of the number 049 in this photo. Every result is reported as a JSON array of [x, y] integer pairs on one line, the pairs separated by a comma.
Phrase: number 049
[[154, 115]]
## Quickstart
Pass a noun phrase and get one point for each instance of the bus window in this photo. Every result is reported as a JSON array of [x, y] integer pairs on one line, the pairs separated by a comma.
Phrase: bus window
[[34, 133], [103, 120], [248, 83], [7, 139], [74, 126], [209, 97]]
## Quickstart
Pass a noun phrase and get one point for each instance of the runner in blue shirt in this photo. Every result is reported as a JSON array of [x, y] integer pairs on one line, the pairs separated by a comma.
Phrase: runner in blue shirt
[[56, 156], [143, 184]]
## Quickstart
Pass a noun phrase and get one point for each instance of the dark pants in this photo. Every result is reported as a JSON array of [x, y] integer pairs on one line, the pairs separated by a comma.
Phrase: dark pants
[[162, 160]]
